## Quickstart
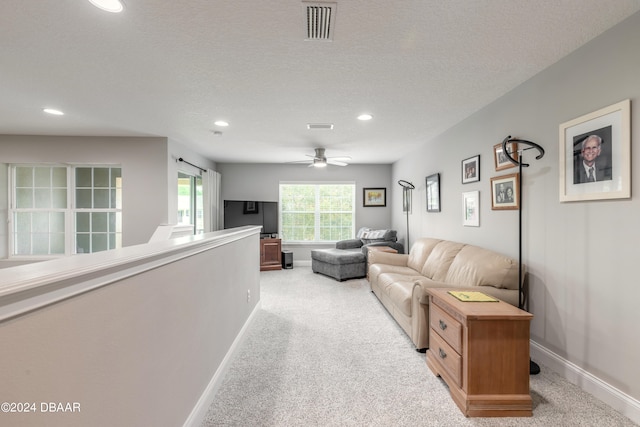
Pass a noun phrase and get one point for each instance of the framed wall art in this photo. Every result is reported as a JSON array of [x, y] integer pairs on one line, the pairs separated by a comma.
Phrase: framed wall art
[[500, 158], [471, 209], [595, 155], [250, 208], [471, 169], [504, 192], [433, 192], [374, 197]]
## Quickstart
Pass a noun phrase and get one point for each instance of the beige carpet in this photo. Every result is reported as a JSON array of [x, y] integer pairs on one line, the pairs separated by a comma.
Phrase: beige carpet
[[326, 353]]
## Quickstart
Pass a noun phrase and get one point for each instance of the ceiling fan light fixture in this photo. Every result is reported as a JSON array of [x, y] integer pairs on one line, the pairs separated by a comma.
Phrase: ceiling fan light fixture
[[113, 6], [221, 123], [319, 163], [365, 117]]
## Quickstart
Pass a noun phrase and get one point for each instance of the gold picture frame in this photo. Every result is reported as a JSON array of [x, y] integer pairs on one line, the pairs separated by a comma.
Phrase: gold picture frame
[[501, 160], [505, 192]]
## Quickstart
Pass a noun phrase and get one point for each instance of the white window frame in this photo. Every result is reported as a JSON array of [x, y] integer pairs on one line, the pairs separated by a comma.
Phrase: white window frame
[[317, 211], [69, 211]]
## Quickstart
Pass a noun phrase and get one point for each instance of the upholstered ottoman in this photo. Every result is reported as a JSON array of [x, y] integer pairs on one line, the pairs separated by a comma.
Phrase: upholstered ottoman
[[338, 263]]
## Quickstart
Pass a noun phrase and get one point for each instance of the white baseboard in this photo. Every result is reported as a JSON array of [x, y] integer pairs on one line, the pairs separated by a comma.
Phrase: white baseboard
[[199, 411], [618, 400]]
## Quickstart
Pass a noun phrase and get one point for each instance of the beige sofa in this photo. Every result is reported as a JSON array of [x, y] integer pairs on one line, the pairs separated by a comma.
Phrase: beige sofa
[[399, 280]]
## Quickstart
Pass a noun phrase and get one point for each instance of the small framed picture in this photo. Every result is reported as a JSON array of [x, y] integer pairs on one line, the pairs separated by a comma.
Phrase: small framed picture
[[433, 192], [595, 155], [250, 208], [471, 169], [500, 158], [374, 197], [504, 192], [471, 209]]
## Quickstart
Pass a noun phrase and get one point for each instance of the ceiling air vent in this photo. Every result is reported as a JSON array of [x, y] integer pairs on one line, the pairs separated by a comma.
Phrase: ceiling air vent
[[328, 126], [320, 20]]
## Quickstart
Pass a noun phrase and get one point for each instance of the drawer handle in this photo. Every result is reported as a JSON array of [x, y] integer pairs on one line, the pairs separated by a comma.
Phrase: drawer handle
[[443, 325], [442, 353]]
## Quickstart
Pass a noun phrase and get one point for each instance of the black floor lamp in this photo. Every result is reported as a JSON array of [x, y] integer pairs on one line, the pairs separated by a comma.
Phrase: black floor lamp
[[406, 197], [533, 366]]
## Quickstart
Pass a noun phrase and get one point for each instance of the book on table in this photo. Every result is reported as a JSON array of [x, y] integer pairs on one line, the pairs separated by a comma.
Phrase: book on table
[[472, 296]]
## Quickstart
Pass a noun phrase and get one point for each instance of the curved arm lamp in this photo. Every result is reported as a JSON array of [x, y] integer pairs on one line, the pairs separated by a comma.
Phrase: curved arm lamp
[[406, 189], [533, 366]]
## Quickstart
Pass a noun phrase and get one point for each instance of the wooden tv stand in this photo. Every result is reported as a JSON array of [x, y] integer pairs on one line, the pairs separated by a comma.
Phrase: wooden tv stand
[[270, 254], [481, 350]]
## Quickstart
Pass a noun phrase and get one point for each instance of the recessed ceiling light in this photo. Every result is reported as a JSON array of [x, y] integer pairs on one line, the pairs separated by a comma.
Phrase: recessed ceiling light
[[365, 117], [221, 123], [328, 126], [53, 111], [113, 6]]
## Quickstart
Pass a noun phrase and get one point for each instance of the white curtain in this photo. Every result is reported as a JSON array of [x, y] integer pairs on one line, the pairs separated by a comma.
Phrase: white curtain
[[212, 202]]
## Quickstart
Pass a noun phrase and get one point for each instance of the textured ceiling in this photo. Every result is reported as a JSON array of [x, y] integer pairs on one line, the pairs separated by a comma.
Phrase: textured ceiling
[[171, 68]]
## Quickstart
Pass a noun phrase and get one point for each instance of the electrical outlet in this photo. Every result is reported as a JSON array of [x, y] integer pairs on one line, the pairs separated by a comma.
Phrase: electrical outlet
[[248, 295]]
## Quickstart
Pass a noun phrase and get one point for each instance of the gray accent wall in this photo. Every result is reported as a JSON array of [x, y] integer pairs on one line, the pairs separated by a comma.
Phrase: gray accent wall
[[581, 256]]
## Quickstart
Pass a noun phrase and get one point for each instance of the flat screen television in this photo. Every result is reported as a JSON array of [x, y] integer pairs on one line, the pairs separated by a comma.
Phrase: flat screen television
[[238, 213]]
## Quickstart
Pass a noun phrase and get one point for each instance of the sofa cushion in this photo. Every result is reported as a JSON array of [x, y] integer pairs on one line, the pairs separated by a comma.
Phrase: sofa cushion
[[337, 256], [440, 259], [474, 266], [349, 244], [387, 278], [373, 236], [362, 232], [420, 251]]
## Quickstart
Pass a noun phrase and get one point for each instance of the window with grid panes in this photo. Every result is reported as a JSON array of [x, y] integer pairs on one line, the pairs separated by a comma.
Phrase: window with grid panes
[[98, 209], [61, 210], [39, 210], [317, 212]]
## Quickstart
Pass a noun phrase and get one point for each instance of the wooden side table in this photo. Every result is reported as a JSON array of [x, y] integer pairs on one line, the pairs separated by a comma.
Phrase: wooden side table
[[481, 350], [381, 249]]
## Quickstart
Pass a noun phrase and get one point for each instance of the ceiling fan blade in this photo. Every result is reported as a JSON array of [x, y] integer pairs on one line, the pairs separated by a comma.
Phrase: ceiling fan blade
[[340, 158], [301, 162], [336, 163]]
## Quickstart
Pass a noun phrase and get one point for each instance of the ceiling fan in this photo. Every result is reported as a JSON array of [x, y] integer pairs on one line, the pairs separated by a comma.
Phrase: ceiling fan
[[319, 160]]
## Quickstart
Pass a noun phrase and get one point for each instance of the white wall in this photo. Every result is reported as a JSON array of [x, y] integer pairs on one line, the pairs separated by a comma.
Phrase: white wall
[[247, 181], [138, 336], [581, 256]]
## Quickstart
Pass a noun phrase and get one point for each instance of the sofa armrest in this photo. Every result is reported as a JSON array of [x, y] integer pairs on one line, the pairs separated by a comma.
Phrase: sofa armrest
[[424, 284], [379, 257], [349, 244]]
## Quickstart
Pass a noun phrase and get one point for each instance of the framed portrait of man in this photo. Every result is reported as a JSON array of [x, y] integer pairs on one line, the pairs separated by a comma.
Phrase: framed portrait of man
[[595, 160]]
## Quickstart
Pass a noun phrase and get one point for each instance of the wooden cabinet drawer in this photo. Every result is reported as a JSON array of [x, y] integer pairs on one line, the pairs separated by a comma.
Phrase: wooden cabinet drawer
[[446, 326], [446, 356]]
